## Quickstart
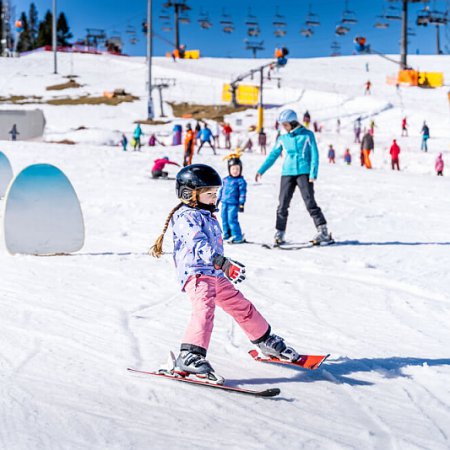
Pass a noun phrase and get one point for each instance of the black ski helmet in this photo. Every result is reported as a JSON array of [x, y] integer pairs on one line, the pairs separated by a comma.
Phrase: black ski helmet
[[194, 177], [235, 162]]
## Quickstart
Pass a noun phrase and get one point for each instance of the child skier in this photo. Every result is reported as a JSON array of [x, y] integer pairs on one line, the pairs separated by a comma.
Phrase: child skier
[[347, 157], [206, 275], [331, 155], [439, 165], [158, 167], [233, 196], [124, 142]]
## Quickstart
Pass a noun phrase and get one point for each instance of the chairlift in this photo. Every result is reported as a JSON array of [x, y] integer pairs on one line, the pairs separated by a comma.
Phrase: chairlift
[[279, 20], [348, 17], [130, 30], [279, 33], [381, 24], [307, 32], [393, 13], [166, 27], [133, 40], [411, 32], [204, 21], [164, 15], [253, 31], [438, 18], [184, 19], [251, 21], [226, 23], [341, 29], [335, 48], [312, 20]]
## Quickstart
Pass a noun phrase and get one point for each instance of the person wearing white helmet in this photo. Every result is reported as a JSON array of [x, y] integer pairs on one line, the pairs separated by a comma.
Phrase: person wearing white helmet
[[300, 169]]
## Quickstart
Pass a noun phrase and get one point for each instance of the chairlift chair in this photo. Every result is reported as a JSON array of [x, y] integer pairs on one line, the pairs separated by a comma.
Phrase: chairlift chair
[[348, 17], [184, 19], [279, 33], [393, 13], [438, 18], [307, 32], [164, 15], [341, 29]]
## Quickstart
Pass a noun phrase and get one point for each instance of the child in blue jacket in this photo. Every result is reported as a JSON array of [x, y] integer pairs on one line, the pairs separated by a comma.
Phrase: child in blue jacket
[[233, 195]]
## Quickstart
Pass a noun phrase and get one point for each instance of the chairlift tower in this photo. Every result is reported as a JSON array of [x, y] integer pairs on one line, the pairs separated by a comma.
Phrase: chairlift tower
[[404, 35], [254, 46], [179, 6]]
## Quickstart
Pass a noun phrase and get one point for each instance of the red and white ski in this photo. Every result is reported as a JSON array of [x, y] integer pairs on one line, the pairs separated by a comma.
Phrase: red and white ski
[[310, 362], [272, 392]]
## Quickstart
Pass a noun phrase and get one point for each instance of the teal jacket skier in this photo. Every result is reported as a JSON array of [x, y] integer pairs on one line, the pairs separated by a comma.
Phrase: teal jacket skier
[[302, 157], [300, 168]]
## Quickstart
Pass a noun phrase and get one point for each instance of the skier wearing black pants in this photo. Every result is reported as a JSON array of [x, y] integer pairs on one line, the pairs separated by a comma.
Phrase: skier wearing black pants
[[299, 169], [287, 188]]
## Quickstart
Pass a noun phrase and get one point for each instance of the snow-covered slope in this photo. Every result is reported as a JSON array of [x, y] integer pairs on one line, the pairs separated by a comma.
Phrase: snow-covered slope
[[378, 301]]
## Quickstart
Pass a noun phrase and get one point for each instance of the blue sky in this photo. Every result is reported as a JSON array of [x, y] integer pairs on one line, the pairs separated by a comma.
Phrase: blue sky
[[118, 17]]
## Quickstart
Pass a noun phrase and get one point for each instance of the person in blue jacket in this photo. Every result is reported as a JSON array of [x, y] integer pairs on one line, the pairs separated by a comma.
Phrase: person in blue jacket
[[233, 195], [300, 169], [137, 134], [206, 136]]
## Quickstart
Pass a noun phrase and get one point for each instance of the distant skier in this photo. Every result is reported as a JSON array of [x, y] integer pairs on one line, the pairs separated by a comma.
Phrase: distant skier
[[158, 167], [439, 165], [124, 142], [357, 130], [248, 146], [331, 155], [232, 195], [207, 276], [367, 146], [425, 136], [227, 130], [372, 127], [300, 169], [262, 141], [368, 87], [306, 119], [189, 146], [347, 157], [137, 134], [152, 140], [394, 152], [216, 134], [205, 137], [338, 126], [14, 132], [404, 127]]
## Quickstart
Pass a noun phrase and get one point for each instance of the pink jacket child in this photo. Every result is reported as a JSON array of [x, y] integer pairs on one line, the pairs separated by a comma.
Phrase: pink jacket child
[[208, 277], [158, 167], [439, 165]]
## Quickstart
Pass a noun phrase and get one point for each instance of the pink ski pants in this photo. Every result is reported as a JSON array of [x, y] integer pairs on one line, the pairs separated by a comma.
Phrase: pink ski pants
[[205, 292]]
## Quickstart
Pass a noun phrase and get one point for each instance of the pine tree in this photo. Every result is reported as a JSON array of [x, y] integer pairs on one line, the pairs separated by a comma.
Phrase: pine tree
[[63, 31], [45, 31], [24, 43], [33, 24]]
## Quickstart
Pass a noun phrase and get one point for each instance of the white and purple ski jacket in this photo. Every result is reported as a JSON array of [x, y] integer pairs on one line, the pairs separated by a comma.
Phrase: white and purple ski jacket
[[197, 238]]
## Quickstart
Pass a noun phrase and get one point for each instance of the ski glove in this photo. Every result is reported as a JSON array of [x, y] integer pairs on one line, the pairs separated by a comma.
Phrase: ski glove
[[241, 208], [233, 270]]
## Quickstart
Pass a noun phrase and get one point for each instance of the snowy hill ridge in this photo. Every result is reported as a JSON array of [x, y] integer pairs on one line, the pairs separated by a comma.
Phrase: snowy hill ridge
[[378, 301]]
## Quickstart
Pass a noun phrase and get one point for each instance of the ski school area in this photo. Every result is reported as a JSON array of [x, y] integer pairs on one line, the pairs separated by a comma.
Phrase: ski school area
[[82, 300]]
